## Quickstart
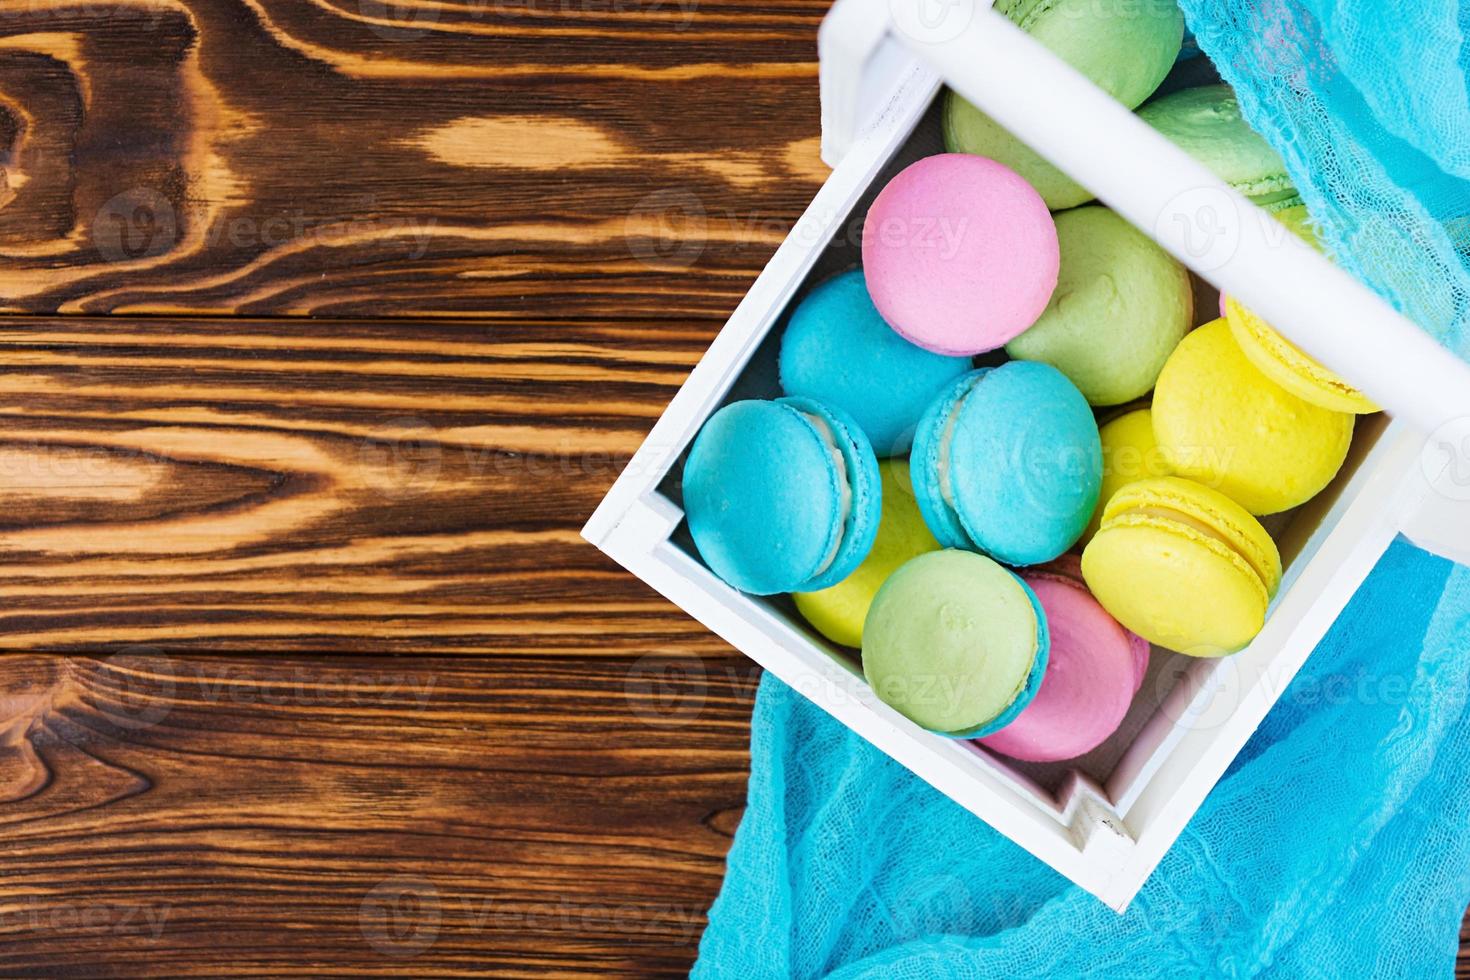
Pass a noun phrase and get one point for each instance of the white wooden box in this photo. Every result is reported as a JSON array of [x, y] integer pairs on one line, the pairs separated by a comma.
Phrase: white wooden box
[[1106, 820]]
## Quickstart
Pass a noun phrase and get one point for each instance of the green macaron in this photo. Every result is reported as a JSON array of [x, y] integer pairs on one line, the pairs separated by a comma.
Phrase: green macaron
[[1121, 306], [1126, 47], [955, 643], [1206, 123]]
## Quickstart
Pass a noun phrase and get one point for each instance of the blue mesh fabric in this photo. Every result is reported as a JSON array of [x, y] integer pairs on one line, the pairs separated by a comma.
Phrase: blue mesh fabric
[[1368, 104], [1338, 844]]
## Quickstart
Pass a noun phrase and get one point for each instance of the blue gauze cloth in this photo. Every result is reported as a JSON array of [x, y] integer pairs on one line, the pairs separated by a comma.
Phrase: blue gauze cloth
[[1338, 843]]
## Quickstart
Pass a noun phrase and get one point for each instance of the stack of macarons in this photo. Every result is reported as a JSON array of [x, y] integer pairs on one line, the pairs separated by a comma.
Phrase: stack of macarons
[[1003, 539]]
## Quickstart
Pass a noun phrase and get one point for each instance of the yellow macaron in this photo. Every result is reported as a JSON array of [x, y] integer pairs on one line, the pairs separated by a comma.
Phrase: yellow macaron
[[838, 612], [1221, 422], [1130, 452], [1183, 566], [1289, 366], [1281, 360]]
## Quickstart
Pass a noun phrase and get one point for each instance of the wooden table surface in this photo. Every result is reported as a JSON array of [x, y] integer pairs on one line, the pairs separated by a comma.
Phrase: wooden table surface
[[328, 325]]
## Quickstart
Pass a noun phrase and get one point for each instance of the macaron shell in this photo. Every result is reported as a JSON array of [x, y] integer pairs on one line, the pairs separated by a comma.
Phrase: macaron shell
[[1208, 510], [838, 612], [1034, 677], [1125, 47], [1068, 568], [837, 350], [1291, 367], [955, 642], [960, 254], [762, 497], [1206, 123], [1025, 463], [1175, 586], [1121, 306], [968, 130], [865, 496], [1091, 676], [1223, 423]]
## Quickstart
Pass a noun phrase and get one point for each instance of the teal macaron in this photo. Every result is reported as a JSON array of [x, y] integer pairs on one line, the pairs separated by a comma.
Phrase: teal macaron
[[1126, 47], [1121, 306], [1008, 461], [1206, 123], [956, 643], [782, 496], [839, 351]]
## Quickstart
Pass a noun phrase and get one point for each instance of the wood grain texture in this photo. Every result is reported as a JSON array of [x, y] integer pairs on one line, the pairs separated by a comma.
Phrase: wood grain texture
[[518, 816], [273, 485], [412, 157]]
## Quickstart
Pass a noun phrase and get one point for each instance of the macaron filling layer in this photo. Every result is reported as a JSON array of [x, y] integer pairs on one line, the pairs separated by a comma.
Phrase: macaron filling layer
[[946, 445], [856, 490], [1164, 513], [844, 488]]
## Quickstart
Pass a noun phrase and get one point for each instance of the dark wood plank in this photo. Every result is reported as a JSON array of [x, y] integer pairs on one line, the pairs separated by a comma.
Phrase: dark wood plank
[[412, 157], [271, 485], [166, 814], [1462, 965]]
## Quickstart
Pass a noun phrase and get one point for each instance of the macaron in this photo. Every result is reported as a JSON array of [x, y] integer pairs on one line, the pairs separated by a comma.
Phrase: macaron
[[1126, 48], [1130, 452], [1281, 360], [1007, 461], [968, 130], [1220, 421], [839, 351], [1121, 306], [1183, 566], [781, 496], [838, 612], [960, 254], [1093, 670], [1206, 123], [955, 643], [1291, 367]]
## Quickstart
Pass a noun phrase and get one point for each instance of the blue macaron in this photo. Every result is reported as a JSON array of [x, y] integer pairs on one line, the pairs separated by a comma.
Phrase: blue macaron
[[782, 496], [1007, 461], [838, 350]]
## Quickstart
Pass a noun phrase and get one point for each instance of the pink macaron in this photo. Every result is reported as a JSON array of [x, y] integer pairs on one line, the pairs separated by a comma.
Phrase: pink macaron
[[960, 254], [1096, 668]]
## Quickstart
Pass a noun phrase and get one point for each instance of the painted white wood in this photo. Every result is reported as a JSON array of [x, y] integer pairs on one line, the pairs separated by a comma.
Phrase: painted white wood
[[1106, 839]]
